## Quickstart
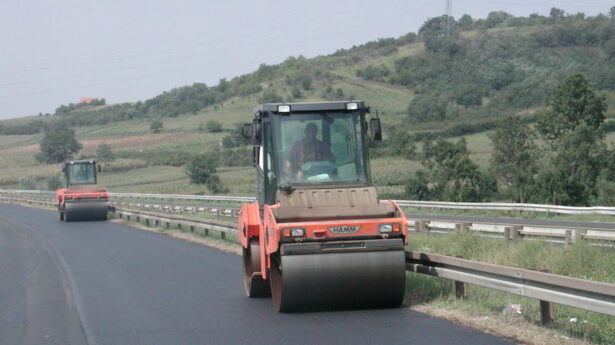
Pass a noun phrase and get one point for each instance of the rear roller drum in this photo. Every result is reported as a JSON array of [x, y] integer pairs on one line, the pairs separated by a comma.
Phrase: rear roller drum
[[255, 285]]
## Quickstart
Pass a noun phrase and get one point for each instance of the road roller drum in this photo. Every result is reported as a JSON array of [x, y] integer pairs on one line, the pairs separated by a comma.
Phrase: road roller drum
[[373, 279], [85, 211]]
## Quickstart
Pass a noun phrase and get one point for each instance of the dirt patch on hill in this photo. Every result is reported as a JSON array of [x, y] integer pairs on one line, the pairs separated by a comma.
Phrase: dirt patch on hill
[[115, 142]]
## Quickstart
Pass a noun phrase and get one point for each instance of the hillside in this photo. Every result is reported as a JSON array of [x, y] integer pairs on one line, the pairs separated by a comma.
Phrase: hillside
[[424, 86]]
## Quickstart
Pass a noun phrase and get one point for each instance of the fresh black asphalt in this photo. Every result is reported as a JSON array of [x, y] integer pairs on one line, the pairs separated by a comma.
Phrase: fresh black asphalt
[[106, 283]]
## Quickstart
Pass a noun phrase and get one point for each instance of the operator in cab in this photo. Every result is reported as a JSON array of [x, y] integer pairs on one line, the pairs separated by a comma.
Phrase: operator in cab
[[306, 150]]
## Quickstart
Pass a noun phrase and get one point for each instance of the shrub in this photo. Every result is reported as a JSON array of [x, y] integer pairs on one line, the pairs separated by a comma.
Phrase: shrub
[[104, 154], [54, 182], [27, 182], [213, 126], [156, 126]]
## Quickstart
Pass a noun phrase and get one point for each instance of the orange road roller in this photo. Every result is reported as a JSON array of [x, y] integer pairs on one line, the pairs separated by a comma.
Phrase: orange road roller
[[82, 199], [318, 237]]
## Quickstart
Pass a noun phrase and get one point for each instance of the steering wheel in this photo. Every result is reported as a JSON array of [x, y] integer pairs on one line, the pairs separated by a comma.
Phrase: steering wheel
[[319, 168]]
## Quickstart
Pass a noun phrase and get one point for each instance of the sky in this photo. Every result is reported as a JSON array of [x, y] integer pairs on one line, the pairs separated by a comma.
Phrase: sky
[[55, 52]]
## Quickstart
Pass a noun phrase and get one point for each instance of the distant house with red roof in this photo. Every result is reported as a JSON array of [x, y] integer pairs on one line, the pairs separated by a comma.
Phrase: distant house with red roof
[[86, 100]]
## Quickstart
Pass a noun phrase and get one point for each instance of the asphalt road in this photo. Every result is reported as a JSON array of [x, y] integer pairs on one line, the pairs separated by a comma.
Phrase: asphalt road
[[106, 283]]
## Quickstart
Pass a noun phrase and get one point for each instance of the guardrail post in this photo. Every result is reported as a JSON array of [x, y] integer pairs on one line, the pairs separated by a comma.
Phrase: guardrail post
[[460, 289], [577, 234], [546, 313], [192, 228], [462, 226], [179, 226], [421, 226], [205, 231], [512, 233], [568, 238], [223, 235], [147, 221]]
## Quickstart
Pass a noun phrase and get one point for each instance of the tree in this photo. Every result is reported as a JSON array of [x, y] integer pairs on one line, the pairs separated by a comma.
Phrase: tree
[[270, 96], [575, 101], [58, 145], [575, 169], [156, 126], [466, 22], [455, 177], [296, 92], [399, 143], [104, 154], [417, 187], [609, 48], [556, 13], [202, 170], [497, 18], [213, 126], [428, 107], [514, 157]]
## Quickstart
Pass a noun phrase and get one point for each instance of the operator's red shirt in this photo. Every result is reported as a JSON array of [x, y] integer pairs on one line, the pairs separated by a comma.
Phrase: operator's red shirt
[[303, 152]]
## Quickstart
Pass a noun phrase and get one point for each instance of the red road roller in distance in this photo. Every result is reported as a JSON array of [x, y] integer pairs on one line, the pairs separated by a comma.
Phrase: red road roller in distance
[[82, 199]]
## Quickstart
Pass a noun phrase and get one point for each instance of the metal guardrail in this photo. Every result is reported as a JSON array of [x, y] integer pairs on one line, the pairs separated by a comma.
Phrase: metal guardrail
[[548, 288], [562, 234], [492, 206], [578, 293]]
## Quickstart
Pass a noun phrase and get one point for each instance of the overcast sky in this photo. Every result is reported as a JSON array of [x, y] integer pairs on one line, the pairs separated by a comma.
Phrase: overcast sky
[[54, 52]]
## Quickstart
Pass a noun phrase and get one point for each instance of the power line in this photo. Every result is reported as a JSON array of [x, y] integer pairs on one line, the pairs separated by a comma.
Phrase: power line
[[324, 30], [333, 14]]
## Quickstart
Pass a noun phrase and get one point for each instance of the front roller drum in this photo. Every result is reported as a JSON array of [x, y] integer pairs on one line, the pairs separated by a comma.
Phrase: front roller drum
[[254, 283], [85, 211], [372, 279]]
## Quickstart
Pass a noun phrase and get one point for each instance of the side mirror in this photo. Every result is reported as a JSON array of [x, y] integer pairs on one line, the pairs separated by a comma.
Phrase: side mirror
[[246, 130], [376, 130]]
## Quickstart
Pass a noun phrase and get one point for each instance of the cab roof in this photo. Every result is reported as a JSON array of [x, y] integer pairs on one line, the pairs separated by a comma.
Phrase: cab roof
[[308, 106], [81, 161]]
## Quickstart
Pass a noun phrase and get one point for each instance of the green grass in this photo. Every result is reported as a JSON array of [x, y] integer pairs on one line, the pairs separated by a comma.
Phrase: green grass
[[580, 261]]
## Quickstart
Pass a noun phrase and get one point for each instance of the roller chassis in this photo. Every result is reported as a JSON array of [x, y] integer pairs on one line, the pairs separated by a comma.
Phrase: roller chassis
[[82, 205], [364, 269]]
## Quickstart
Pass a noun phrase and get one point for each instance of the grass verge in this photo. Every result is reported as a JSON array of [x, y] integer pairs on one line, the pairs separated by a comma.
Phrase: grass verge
[[580, 260]]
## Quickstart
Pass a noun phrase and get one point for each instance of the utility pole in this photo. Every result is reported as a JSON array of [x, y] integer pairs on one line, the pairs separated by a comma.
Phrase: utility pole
[[447, 18]]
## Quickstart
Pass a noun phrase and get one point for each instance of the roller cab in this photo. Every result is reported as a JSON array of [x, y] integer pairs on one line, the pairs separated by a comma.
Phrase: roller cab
[[82, 199], [318, 237]]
